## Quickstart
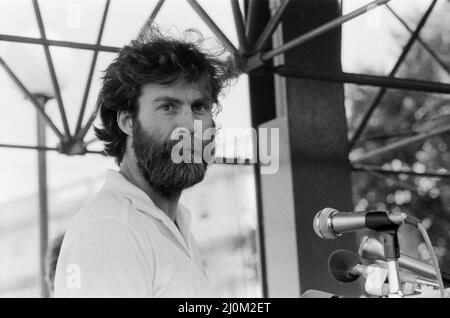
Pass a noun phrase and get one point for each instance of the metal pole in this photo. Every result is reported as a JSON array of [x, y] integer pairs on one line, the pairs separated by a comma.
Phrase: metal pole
[[43, 198], [32, 99], [402, 143], [428, 174], [88, 142], [27, 147], [362, 79], [266, 34], [67, 44], [150, 19], [91, 119], [384, 136], [233, 161], [155, 12], [240, 28], [389, 181], [262, 110], [252, 8], [92, 68], [212, 26], [366, 117], [96, 152], [51, 69], [419, 39], [314, 171], [322, 29]]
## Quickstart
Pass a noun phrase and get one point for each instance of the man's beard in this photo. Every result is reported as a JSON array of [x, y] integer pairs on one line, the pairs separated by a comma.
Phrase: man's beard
[[157, 167]]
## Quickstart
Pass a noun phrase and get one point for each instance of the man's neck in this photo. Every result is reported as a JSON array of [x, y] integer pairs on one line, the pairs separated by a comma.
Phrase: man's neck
[[168, 205]]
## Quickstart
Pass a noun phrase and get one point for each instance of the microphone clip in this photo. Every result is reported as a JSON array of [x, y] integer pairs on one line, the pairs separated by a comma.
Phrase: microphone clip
[[383, 222]]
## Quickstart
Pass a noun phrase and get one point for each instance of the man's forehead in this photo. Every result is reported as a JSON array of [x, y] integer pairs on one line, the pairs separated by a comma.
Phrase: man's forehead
[[180, 90]]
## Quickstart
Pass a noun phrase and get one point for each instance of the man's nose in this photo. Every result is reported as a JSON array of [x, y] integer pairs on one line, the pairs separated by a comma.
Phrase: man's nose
[[186, 120]]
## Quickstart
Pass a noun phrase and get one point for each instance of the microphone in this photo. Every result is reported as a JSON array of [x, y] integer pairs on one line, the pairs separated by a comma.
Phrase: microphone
[[330, 223], [312, 293], [345, 266], [372, 249]]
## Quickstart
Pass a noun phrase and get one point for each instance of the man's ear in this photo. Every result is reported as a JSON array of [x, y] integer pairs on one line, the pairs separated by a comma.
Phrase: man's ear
[[125, 122]]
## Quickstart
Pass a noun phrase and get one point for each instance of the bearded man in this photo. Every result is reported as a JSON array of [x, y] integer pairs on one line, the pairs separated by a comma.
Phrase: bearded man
[[133, 239]]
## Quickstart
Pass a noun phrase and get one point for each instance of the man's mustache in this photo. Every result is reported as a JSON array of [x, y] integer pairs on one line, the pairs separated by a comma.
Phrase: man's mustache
[[191, 150]]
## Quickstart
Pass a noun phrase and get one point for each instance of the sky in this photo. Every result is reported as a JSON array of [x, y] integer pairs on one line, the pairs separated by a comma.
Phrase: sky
[[367, 41]]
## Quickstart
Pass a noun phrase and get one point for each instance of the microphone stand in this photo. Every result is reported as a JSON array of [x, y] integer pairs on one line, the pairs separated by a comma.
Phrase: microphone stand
[[379, 221], [392, 254]]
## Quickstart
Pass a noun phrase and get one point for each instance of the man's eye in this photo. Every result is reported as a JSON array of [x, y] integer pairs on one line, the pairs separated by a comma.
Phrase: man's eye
[[201, 108], [168, 107]]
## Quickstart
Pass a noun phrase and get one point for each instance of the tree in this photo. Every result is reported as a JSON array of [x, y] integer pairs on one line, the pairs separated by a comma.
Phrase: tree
[[404, 113]]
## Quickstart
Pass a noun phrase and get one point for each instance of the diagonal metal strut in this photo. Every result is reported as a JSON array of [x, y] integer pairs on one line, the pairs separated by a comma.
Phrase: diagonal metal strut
[[51, 67], [32, 99], [366, 117], [91, 69], [212, 26]]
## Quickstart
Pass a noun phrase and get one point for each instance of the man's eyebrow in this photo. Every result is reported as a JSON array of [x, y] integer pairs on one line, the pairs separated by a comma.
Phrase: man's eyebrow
[[205, 99], [167, 99], [177, 101]]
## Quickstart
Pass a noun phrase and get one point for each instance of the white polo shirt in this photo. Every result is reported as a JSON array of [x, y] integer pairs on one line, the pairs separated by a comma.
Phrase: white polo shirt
[[121, 245]]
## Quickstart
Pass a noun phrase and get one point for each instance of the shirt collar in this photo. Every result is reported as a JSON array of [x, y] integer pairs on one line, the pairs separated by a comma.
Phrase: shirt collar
[[142, 202]]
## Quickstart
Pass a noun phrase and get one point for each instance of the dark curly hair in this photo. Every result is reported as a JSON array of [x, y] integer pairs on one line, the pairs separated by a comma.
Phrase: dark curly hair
[[154, 58]]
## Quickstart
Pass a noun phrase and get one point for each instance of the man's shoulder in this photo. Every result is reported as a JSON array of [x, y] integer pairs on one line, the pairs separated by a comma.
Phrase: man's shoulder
[[106, 203], [104, 206], [99, 239]]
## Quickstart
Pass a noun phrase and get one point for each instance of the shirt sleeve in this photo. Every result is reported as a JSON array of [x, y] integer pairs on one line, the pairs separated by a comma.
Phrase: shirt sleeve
[[104, 260]]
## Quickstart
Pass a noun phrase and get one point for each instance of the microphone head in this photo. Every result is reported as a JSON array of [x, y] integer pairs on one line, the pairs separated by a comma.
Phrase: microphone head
[[341, 263], [371, 249], [321, 224]]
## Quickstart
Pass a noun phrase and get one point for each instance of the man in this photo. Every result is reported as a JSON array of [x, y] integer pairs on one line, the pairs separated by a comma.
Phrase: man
[[133, 239]]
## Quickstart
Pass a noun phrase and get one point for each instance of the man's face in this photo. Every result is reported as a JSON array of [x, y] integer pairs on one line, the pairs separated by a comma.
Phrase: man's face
[[162, 110]]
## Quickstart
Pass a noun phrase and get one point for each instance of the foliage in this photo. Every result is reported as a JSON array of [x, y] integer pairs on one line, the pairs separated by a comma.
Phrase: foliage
[[403, 113]]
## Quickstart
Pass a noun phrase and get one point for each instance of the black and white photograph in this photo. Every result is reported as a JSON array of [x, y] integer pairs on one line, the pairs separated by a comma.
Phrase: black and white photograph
[[224, 153]]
